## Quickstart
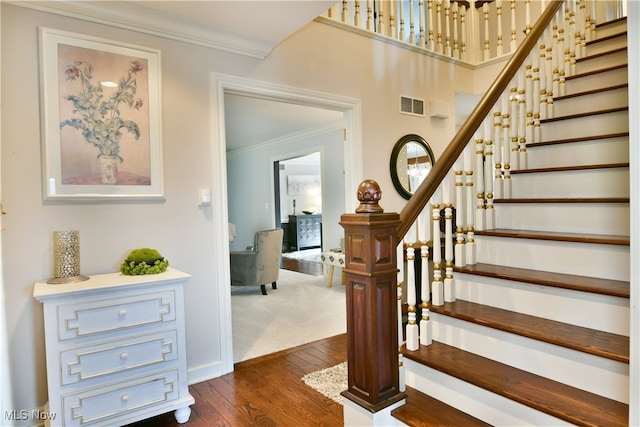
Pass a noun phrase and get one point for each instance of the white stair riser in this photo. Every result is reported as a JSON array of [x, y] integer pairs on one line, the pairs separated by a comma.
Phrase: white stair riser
[[598, 124], [605, 218], [615, 42], [593, 311], [610, 182], [482, 404], [612, 28], [583, 259], [601, 80], [577, 369], [599, 62], [583, 104], [600, 151]]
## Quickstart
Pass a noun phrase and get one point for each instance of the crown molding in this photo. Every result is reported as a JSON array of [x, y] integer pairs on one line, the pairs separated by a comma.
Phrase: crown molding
[[143, 20]]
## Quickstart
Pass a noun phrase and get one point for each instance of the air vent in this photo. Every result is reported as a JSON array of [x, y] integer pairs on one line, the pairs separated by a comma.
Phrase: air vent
[[412, 106]]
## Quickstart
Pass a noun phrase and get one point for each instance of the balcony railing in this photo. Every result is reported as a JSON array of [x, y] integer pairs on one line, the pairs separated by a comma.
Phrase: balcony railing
[[473, 31]]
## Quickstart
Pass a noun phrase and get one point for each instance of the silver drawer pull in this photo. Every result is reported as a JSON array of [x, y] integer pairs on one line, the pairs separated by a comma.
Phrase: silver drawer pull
[[124, 398], [122, 312], [124, 355]]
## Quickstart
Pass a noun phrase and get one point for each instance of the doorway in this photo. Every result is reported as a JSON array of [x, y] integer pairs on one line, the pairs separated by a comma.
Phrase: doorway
[[347, 179]]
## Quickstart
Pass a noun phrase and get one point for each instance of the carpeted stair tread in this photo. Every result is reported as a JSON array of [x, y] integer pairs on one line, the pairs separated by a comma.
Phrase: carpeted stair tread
[[594, 285], [557, 399], [603, 239], [421, 410], [591, 341]]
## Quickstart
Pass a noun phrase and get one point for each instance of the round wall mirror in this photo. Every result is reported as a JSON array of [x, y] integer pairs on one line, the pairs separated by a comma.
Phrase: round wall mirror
[[411, 161]]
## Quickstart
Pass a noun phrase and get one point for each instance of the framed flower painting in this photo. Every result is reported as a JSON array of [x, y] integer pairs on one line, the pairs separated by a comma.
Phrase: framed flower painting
[[100, 117]]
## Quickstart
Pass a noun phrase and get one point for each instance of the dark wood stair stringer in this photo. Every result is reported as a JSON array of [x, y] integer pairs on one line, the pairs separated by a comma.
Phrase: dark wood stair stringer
[[568, 403], [591, 341]]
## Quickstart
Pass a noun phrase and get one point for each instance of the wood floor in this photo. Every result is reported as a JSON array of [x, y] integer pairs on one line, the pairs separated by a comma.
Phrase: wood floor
[[268, 391]]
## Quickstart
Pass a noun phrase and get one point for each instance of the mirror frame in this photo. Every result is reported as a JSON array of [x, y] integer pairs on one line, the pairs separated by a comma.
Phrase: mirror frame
[[393, 166]]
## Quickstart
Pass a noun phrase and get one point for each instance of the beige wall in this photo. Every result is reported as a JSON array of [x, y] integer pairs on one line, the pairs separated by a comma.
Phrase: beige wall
[[317, 58]]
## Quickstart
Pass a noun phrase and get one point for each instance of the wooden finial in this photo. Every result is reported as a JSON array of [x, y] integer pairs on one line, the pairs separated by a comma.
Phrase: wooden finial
[[368, 195]]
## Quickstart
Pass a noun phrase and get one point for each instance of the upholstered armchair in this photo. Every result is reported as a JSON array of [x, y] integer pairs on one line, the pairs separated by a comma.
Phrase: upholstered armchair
[[259, 265]]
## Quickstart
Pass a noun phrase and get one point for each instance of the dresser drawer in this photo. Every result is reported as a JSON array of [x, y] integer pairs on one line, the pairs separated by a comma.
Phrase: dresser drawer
[[80, 319], [108, 358], [95, 405]]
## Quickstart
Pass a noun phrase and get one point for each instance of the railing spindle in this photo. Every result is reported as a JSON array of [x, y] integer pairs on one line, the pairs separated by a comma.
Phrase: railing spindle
[[499, 47], [430, 43], [437, 287], [455, 12], [470, 246], [485, 15], [490, 218]]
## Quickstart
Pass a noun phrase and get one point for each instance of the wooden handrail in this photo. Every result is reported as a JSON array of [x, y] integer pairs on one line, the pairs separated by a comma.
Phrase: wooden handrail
[[421, 197]]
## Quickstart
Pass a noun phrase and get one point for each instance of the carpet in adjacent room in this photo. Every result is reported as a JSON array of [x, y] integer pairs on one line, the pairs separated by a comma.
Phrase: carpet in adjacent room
[[300, 311]]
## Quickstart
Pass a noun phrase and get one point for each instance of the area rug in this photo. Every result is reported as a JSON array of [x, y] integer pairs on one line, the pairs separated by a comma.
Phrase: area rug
[[305, 255], [329, 382], [300, 311]]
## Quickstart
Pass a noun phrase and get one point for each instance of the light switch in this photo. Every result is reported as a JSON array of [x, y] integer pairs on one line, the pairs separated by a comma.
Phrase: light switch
[[204, 196]]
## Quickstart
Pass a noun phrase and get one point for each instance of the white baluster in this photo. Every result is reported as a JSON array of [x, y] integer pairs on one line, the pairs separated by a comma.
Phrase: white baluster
[[499, 47], [403, 33], [529, 99], [488, 174], [392, 19], [370, 15], [400, 264], [439, 45], [421, 40], [485, 15], [437, 287], [412, 21], [455, 9], [460, 214], [345, 12], [431, 44], [447, 29], [498, 187], [527, 14], [424, 227], [535, 95], [412, 327], [506, 144], [470, 246], [514, 39], [522, 121], [464, 33], [449, 282], [573, 39], [549, 73], [514, 123], [479, 183], [357, 18]]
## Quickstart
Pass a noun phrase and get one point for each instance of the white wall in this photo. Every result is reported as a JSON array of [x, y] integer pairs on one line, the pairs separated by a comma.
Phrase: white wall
[[318, 58]]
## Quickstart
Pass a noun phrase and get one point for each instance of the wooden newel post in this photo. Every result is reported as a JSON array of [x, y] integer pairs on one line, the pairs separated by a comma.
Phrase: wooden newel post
[[371, 293]]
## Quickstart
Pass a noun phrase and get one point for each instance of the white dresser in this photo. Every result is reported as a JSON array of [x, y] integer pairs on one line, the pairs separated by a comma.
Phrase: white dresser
[[115, 348]]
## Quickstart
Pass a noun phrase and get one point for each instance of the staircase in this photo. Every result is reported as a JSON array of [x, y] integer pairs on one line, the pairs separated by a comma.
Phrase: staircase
[[539, 332]]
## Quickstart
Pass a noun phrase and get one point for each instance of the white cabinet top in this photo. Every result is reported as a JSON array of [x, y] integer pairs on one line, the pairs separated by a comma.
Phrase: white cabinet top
[[101, 282]]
